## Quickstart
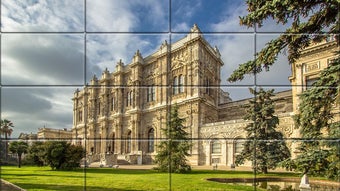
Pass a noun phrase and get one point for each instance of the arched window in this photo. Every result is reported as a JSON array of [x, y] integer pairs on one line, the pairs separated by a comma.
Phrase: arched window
[[180, 84], [151, 136], [215, 147], [175, 86], [128, 142]]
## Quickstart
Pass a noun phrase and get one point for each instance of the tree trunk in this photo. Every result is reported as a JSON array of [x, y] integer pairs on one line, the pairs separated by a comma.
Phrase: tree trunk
[[6, 147], [265, 170], [19, 160]]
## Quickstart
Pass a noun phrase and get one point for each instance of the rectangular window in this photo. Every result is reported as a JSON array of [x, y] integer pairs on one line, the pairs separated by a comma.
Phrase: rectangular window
[[128, 99], [216, 147], [175, 86], [112, 104], [239, 146], [310, 82], [99, 108], [150, 93], [80, 117], [180, 84], [207, 88]]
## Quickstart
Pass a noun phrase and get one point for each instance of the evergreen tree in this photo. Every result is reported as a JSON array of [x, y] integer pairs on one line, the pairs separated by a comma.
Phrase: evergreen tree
[[311, 22], [172, 153], [319, 16], [316, 119], [60, 155], [265, 146], [19, 148], [35, 154]]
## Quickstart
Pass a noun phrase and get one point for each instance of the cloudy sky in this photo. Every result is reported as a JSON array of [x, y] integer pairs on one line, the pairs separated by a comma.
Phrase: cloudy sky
[[51, 47]]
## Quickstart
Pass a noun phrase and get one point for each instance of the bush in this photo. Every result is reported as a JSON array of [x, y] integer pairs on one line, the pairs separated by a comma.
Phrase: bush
[[60, 155]]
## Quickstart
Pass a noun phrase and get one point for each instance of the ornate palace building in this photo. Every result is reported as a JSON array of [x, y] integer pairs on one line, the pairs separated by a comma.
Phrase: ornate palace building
[[118, 118]]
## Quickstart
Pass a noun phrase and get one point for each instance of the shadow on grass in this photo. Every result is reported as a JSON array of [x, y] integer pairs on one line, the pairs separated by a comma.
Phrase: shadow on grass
[[218, 172], [69, 187], [36, 175], [120, 171]]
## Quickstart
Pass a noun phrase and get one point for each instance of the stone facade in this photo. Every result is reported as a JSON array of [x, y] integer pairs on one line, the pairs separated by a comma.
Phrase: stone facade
[[118, 118], [307, 68], [122, 113]]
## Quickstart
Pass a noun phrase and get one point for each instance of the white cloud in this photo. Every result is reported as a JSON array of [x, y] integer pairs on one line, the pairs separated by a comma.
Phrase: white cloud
[[127, 16], [185, 9], [32, 108], [42, 59], [230, 20], [104, 51], [181, 27], [235, 49], [42, 16]]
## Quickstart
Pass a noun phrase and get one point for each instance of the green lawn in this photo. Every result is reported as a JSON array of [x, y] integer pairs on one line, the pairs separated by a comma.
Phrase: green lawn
[[42, 178]]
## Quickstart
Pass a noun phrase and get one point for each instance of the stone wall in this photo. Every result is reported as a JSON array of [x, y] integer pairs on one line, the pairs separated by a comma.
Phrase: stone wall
[[234, 111]]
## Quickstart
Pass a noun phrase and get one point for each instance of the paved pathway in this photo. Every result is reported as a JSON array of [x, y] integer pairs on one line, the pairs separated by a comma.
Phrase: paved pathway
[[7, 186]]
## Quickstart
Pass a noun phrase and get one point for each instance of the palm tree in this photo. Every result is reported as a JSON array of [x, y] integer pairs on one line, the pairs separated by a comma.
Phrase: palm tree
[[7, 131], [18, 148]]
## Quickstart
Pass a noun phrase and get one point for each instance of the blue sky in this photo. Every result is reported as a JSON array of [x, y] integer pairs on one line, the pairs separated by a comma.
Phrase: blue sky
[[47, 45]]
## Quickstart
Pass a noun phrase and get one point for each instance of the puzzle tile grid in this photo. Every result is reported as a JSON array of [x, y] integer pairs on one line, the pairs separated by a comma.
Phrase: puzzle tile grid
[[80, 43]]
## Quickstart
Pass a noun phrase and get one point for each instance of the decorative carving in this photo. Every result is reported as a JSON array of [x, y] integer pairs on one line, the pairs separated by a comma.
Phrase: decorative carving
[[312, 66]]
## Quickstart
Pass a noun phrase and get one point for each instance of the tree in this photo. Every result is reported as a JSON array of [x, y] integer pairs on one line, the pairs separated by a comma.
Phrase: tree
[[62, 155], [172, 153], [36, 153], [7, 131], [316, 119], [18, 147], [320, 15], [265, 146], [321, 18]]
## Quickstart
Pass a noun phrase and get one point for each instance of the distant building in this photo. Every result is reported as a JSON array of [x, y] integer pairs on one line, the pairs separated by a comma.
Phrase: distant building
[[54, 134]]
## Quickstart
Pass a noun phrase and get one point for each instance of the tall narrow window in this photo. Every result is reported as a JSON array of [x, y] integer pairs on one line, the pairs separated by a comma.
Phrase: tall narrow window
[[112, 103], [151, 135], [128, 142], [175, 86], [180, 84], [151, 93], [207, 84], [238, 146], [99, 108], [113, 143], [127, 98], [131, 98], [80, 116]]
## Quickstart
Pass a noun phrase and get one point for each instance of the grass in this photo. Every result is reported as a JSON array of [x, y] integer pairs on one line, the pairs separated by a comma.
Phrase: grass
[[105, 179]]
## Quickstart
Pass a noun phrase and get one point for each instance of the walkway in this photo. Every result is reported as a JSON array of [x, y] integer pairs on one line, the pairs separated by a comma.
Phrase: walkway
[[7, 186]]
